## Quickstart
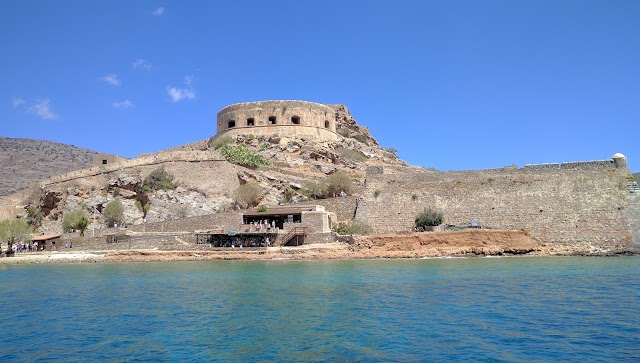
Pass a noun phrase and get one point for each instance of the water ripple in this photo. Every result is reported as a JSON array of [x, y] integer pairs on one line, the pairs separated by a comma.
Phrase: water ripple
[[488, 310]]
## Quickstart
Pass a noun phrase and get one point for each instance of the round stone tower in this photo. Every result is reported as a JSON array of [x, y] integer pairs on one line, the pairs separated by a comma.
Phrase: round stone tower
[[620, 160], [307, 120]]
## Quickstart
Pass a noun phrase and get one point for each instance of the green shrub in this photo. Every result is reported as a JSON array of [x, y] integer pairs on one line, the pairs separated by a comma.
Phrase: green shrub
[[113, 212], [242, 155], [289, 194], [312, 189], [414, 197], [376, 193], [344, 132], [335, 183], [34, 216], [143, 208], [76, 219], [248, 195], [220, 142], [157, 180], [261, 208], [329, 187], [352, 227], [429, 217], [351, 154], [363, 139]]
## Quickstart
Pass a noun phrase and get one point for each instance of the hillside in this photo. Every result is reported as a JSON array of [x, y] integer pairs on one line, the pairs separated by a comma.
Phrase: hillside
[[205, 180], [24, 162]]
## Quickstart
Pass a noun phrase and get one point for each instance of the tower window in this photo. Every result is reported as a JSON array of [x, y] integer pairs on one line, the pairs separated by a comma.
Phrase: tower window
[[327, 124], [231, 123], [295, 120], [272, 120], [251, 121]]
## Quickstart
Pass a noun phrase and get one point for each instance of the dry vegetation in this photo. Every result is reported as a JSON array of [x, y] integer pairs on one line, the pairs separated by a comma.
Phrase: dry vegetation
[[24, 162]]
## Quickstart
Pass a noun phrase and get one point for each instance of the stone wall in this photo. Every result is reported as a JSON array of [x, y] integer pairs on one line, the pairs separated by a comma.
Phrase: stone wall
[[230, 221], [633, 215], [152, 161], [288, 118], [343, 207], [579, 202]]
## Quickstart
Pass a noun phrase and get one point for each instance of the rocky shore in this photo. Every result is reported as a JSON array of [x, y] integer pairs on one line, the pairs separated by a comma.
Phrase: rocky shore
[[466, 243]]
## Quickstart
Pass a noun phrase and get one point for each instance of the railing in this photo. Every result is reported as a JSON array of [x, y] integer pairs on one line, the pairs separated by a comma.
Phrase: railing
[[296, 231]]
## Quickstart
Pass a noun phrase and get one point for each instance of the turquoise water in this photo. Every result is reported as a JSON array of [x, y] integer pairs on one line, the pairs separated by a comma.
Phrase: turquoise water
[[491, 309]]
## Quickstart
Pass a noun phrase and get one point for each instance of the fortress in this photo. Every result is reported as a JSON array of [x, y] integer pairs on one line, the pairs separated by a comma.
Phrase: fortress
[[307, 120], [592, 203]]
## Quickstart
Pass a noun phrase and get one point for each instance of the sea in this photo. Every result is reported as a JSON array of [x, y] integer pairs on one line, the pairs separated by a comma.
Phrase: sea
[[516, 309]]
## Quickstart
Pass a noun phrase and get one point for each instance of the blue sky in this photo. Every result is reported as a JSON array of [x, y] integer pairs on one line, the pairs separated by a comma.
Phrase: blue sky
[[450, 84]]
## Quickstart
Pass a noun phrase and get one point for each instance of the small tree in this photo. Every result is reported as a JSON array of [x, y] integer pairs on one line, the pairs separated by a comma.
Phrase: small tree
[[288, 195], [336, 183], [113, 212], [143, 208], [312, 189], [158, 179], [76, 219], [352, 227], [13, 231], [34, 216], [248, 195], [429, 217]]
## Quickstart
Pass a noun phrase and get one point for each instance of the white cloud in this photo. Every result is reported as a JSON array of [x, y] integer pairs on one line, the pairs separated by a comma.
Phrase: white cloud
[[141, 64], [18, 101], [179, 94], [123, 104], [43, 110], [112, 79], [158, 11]]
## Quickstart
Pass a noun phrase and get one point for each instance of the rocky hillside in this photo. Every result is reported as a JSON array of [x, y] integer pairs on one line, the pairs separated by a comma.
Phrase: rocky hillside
[[25, 162], [213, 175]]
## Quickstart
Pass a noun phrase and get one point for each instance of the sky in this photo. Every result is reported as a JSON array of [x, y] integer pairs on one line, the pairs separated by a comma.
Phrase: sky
[[450, 84]]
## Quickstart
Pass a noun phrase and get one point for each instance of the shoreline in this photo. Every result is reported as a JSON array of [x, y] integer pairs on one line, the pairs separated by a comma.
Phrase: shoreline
[[461, 244], [291, 254]]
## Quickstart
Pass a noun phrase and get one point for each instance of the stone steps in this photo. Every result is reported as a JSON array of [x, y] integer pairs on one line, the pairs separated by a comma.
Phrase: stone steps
[[633, 187]]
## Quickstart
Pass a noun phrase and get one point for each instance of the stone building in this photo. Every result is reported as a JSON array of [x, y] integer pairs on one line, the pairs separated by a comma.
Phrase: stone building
[[287, 118], [106, 159]]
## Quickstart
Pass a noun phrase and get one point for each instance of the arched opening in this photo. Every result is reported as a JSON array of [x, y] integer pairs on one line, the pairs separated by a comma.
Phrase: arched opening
[[327, 125], [251, 121], [295, 120], [272, 120], [231, 123]]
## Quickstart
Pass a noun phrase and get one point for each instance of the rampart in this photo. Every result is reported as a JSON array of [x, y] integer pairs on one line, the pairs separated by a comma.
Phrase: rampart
[[555, 203], [288, 118]]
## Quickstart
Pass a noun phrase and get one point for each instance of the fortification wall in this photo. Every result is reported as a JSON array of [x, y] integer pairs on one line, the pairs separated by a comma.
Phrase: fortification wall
[[577, 202], [343, 207], [288, 118], [228, 221]]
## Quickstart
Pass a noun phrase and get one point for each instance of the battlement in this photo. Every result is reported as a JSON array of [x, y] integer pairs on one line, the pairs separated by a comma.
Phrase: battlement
[[573, 165], [302, 119]]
